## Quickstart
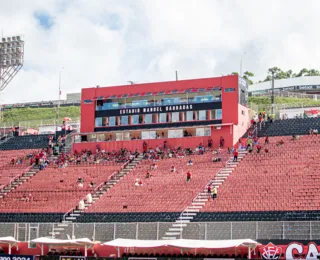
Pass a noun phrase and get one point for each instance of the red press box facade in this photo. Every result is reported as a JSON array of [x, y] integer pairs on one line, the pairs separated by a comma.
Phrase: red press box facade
[[184, 113]]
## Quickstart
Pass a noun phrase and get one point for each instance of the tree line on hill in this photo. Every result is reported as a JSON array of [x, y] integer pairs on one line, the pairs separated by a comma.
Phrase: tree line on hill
[[279, 74]]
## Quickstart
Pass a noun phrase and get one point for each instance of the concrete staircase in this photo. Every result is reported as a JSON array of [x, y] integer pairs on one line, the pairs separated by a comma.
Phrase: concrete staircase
[[72, 215], [16, 182], [175, 231], [67, 144]]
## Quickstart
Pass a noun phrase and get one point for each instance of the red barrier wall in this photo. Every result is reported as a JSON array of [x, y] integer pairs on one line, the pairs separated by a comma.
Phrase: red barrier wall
[[186, 142]]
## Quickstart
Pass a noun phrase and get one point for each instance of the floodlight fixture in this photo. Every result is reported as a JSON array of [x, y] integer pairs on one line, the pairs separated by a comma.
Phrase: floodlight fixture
[[11, 59]]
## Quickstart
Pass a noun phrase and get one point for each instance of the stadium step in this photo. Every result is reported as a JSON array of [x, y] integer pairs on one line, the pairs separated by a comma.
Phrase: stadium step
[[179, 225], [169, 238], [201, 199], [173, 233], [176, 229]]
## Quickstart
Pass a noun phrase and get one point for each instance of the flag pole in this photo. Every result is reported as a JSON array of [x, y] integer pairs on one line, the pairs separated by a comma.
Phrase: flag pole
[[58, 106]]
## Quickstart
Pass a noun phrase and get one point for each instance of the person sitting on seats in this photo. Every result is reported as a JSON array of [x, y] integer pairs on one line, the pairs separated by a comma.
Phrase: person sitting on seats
[[216, 159], [295, 137], [148, 175], [190, 162], [173, 169], [281, 142]]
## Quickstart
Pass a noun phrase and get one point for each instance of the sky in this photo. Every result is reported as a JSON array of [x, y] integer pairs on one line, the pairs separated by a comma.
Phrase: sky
[[111, 42]]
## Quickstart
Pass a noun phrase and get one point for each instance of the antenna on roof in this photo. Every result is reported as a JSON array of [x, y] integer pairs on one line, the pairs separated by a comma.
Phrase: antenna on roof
[[176, 75]]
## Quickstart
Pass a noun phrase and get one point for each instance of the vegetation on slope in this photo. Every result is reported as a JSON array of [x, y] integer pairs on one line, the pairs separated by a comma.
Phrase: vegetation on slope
[[16, 115]]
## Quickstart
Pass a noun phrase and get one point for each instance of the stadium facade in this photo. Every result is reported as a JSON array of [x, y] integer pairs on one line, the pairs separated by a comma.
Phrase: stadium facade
[[126, 116], [309, 85]]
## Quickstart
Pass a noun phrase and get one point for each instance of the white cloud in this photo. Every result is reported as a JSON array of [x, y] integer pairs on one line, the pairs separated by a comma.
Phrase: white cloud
[[107, 43]]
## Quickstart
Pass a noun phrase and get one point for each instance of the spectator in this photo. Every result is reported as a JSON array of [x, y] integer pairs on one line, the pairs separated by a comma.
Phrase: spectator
[[188, 176], [258, 148], [214, 193], [216, 159], [165, 144], [255, 140], [315, 131], [281, 142], [266, 150], [209, 189], [221, 142], [266, 140], [311, 131], [89, 198], [190, 162], [295, 137], [145, 146], [148, 175], [138, 183], [173, 169], [235, 155], [209, 143], [249, 144]]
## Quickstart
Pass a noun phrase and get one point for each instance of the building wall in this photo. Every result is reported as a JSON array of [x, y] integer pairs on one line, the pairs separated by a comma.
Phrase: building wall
[[303, 84], [243, 123], [229, 99]]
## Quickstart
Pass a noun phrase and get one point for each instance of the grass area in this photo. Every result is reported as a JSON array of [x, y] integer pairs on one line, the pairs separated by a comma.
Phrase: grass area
[[264, 103], [48, 115], [16, 115]]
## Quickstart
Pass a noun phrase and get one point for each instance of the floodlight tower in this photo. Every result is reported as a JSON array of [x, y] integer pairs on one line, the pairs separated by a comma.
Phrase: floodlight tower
[[11, 59]]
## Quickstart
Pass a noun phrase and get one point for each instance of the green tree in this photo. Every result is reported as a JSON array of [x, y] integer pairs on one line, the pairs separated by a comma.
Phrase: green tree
[[247, 75], [234, 73], [303, 72]]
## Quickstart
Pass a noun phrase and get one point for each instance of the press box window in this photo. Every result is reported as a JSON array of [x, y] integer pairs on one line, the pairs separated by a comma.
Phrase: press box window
[[229, 90]]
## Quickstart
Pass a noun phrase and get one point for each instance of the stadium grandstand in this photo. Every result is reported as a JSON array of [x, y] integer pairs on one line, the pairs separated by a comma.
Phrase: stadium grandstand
[[171, 169]]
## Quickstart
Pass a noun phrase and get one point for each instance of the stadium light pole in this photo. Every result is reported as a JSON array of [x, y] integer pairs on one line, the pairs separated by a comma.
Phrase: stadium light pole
[[272, 93], [58, 106], [11, 59], [241, 63]]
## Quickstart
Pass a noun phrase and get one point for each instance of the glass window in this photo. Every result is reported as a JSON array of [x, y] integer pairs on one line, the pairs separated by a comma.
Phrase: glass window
[[202, 115], [77, 138], [175, 117], [219, 114], [200, 132], [175, 133], [145, 135], [163, 118], [112, 121], [126, 136], [92, 138], [135, 119], [148, 118], [229, 90], [124, 120], [189, 115], [207, 131], [99, 121], [101, 137], [118, 136]]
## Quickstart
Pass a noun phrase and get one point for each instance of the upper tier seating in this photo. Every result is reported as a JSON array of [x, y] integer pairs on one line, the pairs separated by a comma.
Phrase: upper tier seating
[[166, 191], [25, 142], [9, 171], [56, 189], [284, 179], [297, 126]]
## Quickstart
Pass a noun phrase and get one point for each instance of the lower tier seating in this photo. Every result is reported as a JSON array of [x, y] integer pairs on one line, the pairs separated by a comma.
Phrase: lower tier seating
[[55, 189], [163, 217], [25, 142], [296, 126]]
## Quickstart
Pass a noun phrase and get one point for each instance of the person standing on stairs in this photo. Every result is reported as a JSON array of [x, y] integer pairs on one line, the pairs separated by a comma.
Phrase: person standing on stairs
[[235, 155], [214, 193]]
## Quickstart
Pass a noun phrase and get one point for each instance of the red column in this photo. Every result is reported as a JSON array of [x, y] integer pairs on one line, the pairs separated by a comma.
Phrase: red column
[[208, 114]]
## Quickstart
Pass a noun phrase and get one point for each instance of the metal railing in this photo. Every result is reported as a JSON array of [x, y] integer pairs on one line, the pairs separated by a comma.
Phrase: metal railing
[[266, 230]]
